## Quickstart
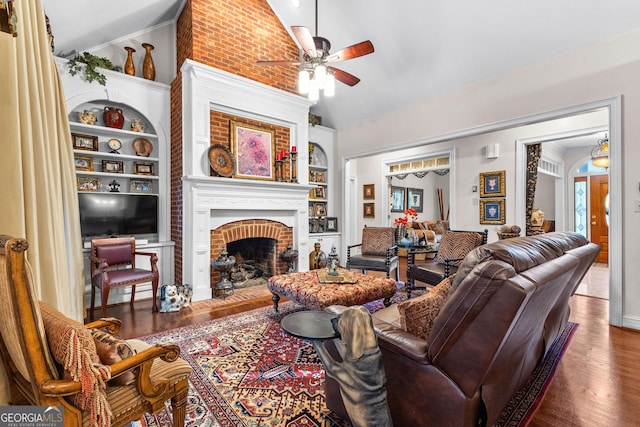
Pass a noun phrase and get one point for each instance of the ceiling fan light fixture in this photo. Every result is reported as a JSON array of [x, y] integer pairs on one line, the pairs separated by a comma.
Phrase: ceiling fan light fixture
[[330, 85], [303, 81], [320, 75], [600, 153]]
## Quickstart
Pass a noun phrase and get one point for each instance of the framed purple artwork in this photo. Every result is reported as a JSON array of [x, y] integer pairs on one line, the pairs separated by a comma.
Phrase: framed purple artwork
[[253, 148]]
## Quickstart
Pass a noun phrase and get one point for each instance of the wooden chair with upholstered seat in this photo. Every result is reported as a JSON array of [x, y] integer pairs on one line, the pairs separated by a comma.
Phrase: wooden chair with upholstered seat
[[378, 251], [98, 379], [453, 247], [113, 265]]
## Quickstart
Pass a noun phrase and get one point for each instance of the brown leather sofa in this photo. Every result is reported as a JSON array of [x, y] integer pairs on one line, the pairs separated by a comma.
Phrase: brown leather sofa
[[508, 302]]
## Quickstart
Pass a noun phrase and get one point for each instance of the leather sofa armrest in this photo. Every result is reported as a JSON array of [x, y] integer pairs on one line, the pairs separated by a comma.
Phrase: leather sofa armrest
[[401, 342]]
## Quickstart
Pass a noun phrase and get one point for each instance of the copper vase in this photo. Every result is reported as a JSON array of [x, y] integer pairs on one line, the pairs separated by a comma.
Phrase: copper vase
[[148, 68], [129, 67]]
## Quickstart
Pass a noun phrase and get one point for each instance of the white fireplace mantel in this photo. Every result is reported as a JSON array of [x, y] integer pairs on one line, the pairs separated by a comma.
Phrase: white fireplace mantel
[[209, 202]]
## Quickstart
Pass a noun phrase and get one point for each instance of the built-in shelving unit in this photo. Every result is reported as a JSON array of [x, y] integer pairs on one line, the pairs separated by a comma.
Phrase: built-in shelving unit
[[323, 221], [100, 164]]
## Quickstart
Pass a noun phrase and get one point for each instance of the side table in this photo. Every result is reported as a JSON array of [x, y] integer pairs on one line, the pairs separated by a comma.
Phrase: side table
[[311, 324]]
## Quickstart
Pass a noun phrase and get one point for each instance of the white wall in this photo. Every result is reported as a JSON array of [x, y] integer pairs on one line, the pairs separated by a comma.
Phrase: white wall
[[545, 198], [469, 160], [162, 37], [597, 72]]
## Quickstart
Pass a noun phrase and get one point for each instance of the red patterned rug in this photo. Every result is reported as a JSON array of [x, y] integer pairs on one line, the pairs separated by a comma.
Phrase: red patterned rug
[[248, 372]]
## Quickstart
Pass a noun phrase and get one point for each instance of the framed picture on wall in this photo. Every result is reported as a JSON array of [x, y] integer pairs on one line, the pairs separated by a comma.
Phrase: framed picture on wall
[[253, 148], [492, 211], [492, 184], [368, 191], [369, 210], [398, 199], [415, 197]]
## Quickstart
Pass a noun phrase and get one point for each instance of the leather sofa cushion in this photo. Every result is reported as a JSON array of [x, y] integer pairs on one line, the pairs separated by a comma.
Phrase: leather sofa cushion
[[456, 245], [418, 314]]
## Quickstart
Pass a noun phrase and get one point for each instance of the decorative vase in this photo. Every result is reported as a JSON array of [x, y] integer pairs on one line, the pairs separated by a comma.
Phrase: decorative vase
[[317, 258], [405, 241], [148, 68], [113, 117], [129, 67]]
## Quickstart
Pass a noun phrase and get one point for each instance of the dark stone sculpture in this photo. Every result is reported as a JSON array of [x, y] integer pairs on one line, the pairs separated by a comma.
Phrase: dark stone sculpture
[[361, 373]]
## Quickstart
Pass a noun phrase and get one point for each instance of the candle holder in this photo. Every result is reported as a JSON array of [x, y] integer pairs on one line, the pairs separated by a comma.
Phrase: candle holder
[[224, 263], [294, 166], [279, 176]]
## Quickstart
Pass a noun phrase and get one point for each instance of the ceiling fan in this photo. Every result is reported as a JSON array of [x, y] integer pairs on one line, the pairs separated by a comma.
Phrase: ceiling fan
[[314, 75]]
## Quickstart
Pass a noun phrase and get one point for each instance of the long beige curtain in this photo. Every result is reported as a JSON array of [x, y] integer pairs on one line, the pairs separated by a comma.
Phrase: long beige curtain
[[37, 182]]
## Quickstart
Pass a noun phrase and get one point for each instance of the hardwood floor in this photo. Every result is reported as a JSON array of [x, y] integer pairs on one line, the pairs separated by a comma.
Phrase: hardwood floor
[[597, 382]]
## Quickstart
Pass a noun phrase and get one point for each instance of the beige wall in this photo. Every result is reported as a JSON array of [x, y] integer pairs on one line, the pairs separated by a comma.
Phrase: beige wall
[[597, 72]]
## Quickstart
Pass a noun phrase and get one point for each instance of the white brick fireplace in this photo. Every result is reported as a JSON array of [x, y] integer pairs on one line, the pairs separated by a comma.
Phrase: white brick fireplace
[[210, 202]]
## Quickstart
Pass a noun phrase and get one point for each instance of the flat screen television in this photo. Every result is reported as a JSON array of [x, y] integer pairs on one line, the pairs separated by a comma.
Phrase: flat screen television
[[109, 214]]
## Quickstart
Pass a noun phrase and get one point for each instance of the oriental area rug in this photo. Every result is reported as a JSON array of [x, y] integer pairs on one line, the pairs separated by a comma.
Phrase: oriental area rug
[[248, 372]]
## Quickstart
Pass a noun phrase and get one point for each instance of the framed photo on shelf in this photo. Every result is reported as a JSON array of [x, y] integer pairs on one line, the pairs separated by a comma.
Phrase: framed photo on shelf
[[112, 166], [320, 177], [84, 163], [320, 209], [253, 148], [316, 225], [141, 186], [141, 168], [492, 211], [398, 199], [492, 184], [369, 191], [331, 223], [84, 142], [319, 193], [88, 184], [415, 197], [369, 210]]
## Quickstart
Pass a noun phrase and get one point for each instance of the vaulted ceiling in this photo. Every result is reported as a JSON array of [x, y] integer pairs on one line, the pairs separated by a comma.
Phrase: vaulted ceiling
[[423, 48]]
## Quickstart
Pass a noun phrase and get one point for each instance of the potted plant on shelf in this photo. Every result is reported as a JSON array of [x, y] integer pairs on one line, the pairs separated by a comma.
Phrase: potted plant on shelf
[[90, 64]]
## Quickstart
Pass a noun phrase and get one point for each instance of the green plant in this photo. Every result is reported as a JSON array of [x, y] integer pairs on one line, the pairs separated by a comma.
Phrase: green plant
[[91, 62]]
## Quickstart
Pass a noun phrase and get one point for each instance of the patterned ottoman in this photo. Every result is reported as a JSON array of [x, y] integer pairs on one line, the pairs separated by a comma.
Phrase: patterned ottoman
[[305, 288]]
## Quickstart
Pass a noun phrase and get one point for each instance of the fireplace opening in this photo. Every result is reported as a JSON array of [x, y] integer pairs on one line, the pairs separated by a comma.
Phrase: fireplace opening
[[256, 260]]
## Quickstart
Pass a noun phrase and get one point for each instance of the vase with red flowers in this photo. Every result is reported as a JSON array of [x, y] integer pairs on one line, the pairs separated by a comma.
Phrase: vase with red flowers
[[402, 223]]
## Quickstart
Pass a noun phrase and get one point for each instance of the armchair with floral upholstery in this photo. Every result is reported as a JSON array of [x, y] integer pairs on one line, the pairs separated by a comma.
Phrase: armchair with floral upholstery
[[52, 360]]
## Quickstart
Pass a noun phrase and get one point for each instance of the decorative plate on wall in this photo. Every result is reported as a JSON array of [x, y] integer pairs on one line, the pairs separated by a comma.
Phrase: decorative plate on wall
[[221, 160], [142, 147]]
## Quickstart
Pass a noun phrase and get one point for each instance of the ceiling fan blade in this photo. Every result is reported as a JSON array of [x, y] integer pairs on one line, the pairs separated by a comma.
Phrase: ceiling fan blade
[[354, 51], [280, 62], [344, 77], [306, 40]]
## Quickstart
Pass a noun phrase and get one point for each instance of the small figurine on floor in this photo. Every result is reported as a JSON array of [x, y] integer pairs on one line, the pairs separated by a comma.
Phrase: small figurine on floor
[[171, 299]]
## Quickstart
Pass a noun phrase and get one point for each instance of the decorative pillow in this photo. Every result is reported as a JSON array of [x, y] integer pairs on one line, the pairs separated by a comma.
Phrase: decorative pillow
[[112, 350], [456, 245], [418, 314], [376, 240], [72, 346]]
